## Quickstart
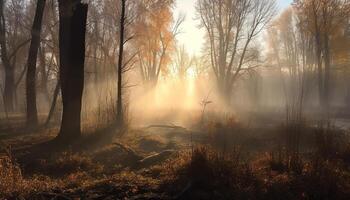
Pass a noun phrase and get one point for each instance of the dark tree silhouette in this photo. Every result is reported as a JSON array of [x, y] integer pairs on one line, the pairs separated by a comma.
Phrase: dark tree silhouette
[[72, 25], [120, 65], [9, 68], [32, 113]]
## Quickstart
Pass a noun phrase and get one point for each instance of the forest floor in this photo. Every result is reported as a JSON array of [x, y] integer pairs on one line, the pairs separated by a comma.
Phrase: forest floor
[[218, 161]]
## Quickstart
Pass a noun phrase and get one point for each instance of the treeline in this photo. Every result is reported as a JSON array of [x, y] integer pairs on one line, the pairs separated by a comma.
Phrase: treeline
[[49, 46], [51, 50], [309, 44]]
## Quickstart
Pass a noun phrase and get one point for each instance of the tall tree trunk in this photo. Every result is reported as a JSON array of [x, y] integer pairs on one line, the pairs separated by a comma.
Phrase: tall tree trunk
[[9, 90], [95, 56], [319, 69], [120, 66], [73, 16], [53, 104], [32, 113], [327, 65], [44, 74]]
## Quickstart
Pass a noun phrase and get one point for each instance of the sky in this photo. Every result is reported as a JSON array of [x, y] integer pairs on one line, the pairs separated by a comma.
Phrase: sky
[[193, 37]]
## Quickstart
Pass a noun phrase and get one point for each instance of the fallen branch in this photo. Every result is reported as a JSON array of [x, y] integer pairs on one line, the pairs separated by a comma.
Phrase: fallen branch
[[155, 158], [166, 126], [126, 148]]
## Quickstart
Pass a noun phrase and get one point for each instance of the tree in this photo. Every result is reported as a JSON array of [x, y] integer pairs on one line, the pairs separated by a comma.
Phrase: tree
[[120, 64], [50, 65], [72, 28], [289, 46], [231, 26], [13, 43], [182, 62], [322, 19], [32, 113], [156, 34], [9, 68]]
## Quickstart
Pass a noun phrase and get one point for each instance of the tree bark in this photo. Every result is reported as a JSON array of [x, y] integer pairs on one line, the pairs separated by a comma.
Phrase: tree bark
[[32, 113], [73, 17]]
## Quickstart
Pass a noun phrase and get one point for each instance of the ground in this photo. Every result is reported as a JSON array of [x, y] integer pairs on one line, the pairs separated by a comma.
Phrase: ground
[[218, 161]]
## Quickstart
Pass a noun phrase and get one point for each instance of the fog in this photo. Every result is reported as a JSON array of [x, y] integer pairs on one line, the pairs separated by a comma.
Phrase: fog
[[175, 99], [276, 71]]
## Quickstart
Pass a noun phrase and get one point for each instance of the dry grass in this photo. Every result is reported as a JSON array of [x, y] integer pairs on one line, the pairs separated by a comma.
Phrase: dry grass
[[66, 163], [13, 184], [304, 163], [209, 171]]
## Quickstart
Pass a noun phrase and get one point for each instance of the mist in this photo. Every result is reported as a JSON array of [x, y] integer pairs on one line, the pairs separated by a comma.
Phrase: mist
[[195, 99]]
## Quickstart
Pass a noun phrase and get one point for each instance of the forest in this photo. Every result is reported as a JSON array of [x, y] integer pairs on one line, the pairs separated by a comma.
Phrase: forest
[[174, 99]]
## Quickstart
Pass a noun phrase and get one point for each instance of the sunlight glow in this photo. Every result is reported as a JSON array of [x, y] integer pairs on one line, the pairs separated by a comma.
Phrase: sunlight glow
[[191, 74], [191, 35]]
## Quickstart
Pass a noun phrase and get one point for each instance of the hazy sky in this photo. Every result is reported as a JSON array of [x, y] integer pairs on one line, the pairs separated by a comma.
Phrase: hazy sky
[[191, 36]]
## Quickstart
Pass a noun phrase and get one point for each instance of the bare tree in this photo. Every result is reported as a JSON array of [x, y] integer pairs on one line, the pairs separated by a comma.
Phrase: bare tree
[[120, 64], [321, 19], [13, 43], [231, 26], [9, 69], [182, 62]]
